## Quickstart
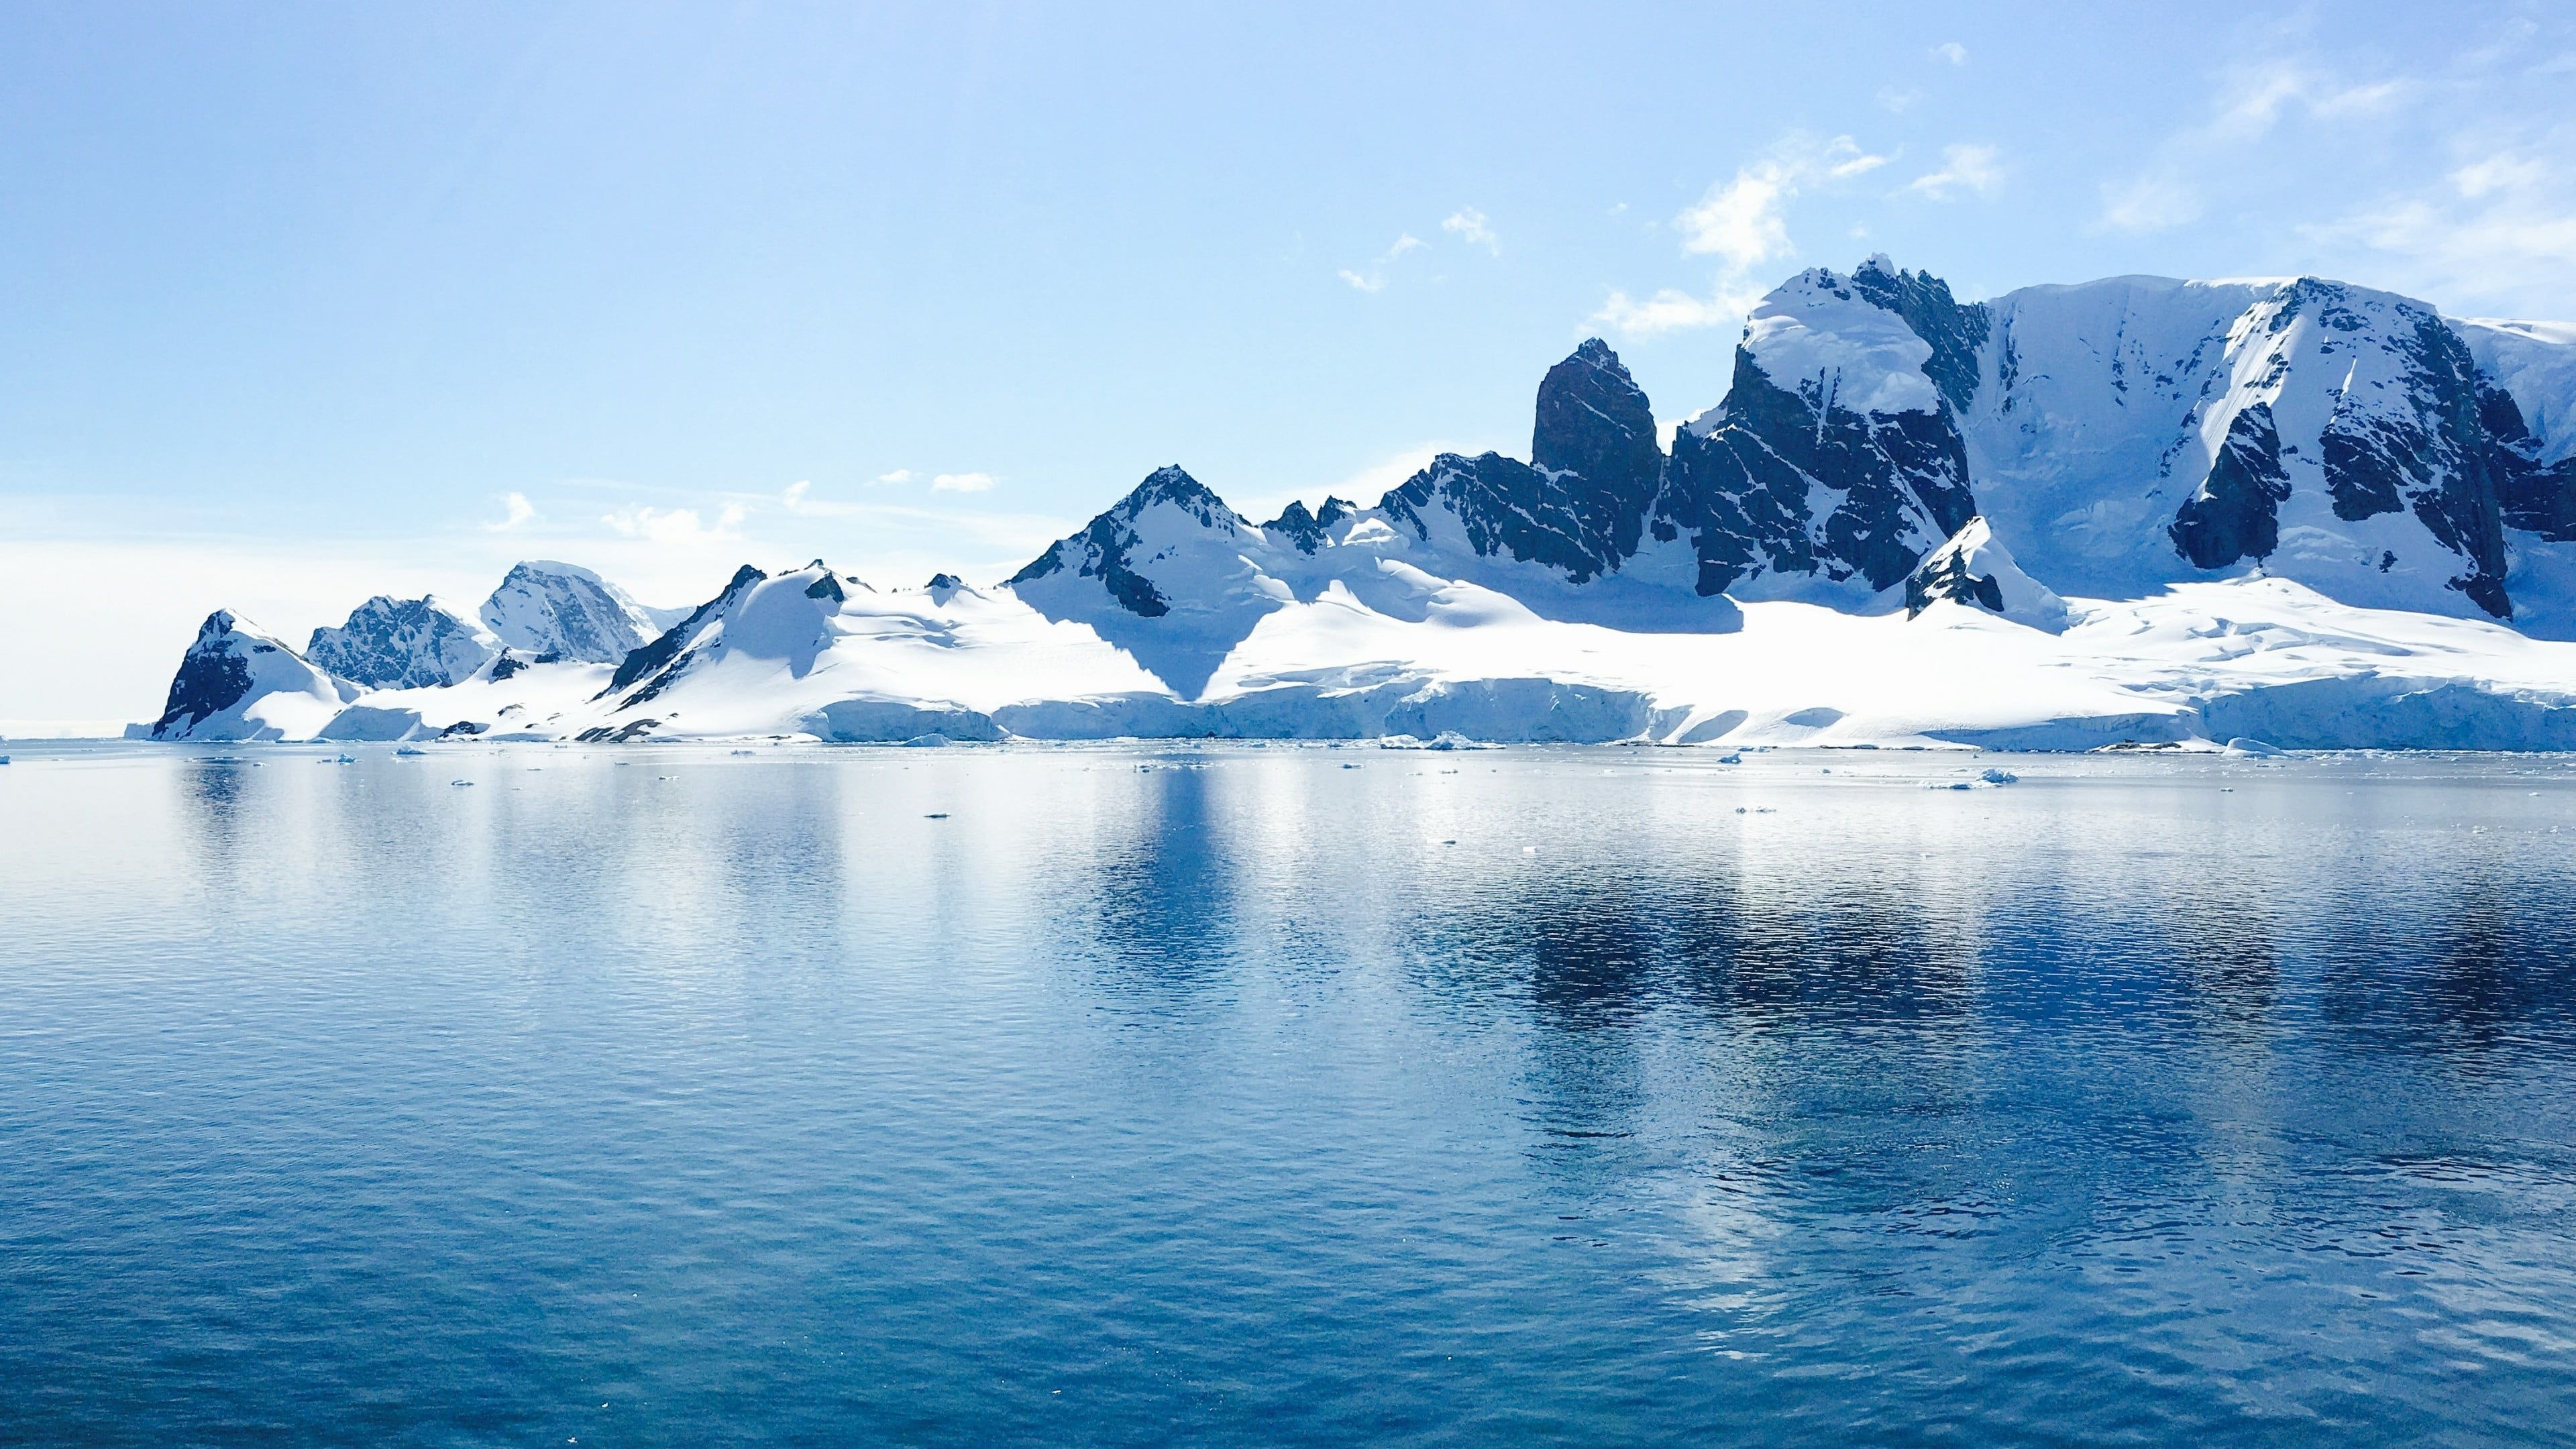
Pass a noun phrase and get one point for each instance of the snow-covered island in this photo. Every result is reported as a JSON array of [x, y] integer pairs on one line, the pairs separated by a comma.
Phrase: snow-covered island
[[2132, 511]]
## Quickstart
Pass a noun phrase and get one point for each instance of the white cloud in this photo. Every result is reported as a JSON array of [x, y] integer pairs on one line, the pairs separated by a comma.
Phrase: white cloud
[[898, 476], [1670, 310], [2249, 102], [1951, 51], [1963, 168], [1374, 279], [2504, 249], [2500, 172], [2149, 203], [677, 527], [520, 510], [1743, 222], [1897, 102], [1470, 226], [1740, 221], [963, 483]]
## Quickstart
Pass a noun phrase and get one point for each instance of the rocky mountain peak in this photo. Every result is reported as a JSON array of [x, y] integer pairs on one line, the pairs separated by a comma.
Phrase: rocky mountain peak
[[544, 607], [1593, 419], [390, 643]]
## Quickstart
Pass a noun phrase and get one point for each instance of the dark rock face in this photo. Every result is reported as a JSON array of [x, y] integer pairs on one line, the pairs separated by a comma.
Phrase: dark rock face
[[2447, 451], [1581, 510], [1306, 528], [1956, 333], [2236, 513], [392, 643], [1946, 576], [2531, 495], [1510, 509], [1103, 549], [213, 676], [1594, 420], [1740, 489], [661, 661]]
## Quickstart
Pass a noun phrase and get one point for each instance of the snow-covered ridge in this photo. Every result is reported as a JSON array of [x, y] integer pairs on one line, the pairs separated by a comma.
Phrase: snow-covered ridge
[[2137, 509]]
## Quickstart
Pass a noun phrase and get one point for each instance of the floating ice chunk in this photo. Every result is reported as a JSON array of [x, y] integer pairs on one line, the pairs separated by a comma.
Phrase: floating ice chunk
[[926, 742], [2247, 745], [1452, 740], [462, 784], [408, 750], [1999, 777]]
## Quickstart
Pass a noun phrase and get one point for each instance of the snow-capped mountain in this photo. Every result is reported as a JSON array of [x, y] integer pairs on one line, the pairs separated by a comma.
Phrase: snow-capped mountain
[[403, 644], [560, 609], [2136, 509], [2128, 434], [240, 682]]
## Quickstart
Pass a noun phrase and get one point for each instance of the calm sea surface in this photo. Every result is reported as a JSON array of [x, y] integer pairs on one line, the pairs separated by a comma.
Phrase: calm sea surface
[[678, 1096]]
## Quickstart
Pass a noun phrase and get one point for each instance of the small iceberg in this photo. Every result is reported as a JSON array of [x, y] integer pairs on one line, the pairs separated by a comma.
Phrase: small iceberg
[[926, 742], [1994, 776], [2246, 745], [409, 750]]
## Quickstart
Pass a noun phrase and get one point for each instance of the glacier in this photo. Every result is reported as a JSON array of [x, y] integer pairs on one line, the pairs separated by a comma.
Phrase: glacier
[[2137, 512]]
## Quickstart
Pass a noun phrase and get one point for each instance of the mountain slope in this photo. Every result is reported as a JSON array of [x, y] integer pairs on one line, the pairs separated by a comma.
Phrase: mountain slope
[[544, 608], [2135, 509], [403, 644], [240, 682]]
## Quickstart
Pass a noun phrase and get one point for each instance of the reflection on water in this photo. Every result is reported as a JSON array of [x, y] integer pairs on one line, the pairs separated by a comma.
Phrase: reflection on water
[[1101, 1095]]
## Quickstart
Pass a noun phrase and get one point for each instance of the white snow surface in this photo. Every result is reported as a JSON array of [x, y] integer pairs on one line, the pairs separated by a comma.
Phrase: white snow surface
[[1975, 551], [2098, 410], [2252, 657], [285, 698], [2536, 362], [1814, 332], [544, 607]]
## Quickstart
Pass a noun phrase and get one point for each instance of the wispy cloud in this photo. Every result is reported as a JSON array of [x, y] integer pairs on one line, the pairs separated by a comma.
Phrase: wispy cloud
[[677, 527], [1469, 225], [2250, 101], [963, 483], [2498, 230], [1374, 279], [518, 511], [1951, 51], [1963, 168], [1672, 310], [1742, 222]]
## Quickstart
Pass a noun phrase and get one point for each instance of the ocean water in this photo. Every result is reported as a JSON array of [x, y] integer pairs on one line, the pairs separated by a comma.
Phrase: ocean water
[[1240, 1095]]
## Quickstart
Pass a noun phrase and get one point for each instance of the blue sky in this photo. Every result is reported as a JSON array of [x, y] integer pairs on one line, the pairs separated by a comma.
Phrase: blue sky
[[308, 302]]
